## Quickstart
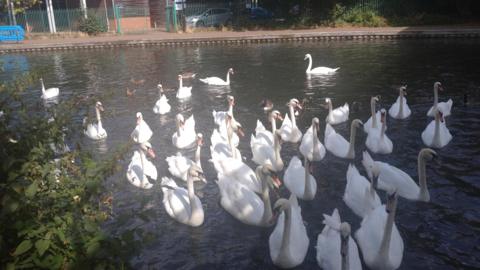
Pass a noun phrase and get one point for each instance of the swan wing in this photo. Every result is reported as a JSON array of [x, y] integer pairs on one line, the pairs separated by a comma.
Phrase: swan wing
[[335, 143], [298, 238], [294, 177], [177, 204], [323, 70], [213, 81], [149, 169], [428, 133], [178, 166], [392, 178], [357, 193]]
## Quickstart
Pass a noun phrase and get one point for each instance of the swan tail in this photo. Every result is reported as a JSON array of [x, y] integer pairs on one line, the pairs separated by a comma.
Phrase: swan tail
[[204, 80], [335, 69], [332, 221], [259, 127]]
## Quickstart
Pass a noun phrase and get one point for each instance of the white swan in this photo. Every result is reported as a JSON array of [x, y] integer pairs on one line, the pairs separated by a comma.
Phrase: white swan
[[243, 203], [182, 204], [337, 116], [360, 195], [289, 130], [218, 81], [436, 134], [220, 119], [289, 241], [336, 249], [379, 239], [266, 154], [445, 107], [374, 121], [50, 92], [235, 169], [311, 147], [337, 145], [183, 91], [318, 70], [142, 132], [392, 178], [400, 109], [96, 131], [161, 106], [140, 168], [220, 116], [185, 136], [377, 141], [299, 180], [225, 147], [261, 133], [178, 165]]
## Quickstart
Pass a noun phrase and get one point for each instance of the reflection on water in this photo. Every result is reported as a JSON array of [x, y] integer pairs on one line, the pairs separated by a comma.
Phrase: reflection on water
[[442, 234]]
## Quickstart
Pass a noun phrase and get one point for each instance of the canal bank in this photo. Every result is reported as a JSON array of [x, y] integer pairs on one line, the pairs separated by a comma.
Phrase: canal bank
[[233, 37]]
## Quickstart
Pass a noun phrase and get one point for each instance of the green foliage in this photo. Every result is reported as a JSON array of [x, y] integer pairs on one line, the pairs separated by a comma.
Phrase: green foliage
[[92, 25], [357, 16], [51, 205], [19, 5]]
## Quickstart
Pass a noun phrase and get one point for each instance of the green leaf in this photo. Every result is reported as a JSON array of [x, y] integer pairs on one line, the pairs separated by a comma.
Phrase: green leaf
[[31, 190], [23, 247], [10, 266], [92, 247], [42, 245]]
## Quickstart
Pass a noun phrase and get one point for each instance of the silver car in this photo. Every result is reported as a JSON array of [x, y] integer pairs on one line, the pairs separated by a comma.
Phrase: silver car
[[211, 17]]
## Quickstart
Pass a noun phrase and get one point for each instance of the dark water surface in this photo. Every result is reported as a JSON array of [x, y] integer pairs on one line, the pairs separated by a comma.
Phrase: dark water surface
[[441, 234]]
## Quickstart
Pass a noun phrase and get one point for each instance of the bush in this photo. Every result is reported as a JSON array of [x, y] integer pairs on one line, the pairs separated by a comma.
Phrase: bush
[[92, 25], [52, 204], [357, 17]]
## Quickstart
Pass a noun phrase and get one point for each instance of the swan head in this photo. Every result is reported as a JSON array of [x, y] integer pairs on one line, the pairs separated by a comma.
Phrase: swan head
[[357, 123], [403, 90], [427, 154], [99, 106], [199, 139], [307, 56], [316, 122], [196, 172], [179, 77], [375, 99], [231, 100], [294, 103], [391, 204], [438, 86], [275, 115], [280, 205], [267, 104], [180, 120], [230, 70], [139, 117], [271, 176], [147, 147], [383, 115], [439, 115]]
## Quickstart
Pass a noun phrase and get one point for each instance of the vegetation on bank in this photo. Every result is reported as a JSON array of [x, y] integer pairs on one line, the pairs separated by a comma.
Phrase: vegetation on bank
[[53, 202]]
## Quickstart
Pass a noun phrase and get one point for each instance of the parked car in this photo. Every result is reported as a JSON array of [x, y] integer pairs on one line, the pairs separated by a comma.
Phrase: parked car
[[211, 17], [260, 13]]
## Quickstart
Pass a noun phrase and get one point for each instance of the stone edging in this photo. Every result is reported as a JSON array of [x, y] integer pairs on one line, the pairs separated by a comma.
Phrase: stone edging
[[301, 37]]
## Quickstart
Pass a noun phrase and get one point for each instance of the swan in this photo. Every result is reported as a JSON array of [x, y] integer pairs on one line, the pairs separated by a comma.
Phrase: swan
[[161, 106], [289, 241], [289, 130], [299, 180], [266, 154], [337, 145], [436, 134], [182, 204], [142, 132], [178, 165], [183, 91], [225, 147], [235, 169], [337, 116], [50, 92], [377, 141], [185, 137], [96, 131], [140, 168], [374, 121], [392, 178], [218, 81], [360, 194], [266, 104], [311, 147], [445, 107], [400, 109], [243, 203], [336, 249], [378, 237], [261, 133], [318, 70], [219, 117]]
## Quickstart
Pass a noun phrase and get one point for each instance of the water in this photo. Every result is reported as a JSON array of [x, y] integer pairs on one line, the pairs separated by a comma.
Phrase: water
[[441, 234]]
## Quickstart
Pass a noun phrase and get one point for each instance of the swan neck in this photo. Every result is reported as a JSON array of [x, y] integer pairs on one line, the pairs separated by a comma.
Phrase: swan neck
[[228, 78], [197, 155], [180, 83], [308, 192], [351, 149], [422, 179], [179, 128], [435, 97], [276, 149], [384, 127], [274, 125], [292, 116], [230, 139], [387, 233], [400, 109], [374, 115], [315, 140], [267, 213], [287, 226], [43, 87], [191, 196], [436, 134], [309, 68]]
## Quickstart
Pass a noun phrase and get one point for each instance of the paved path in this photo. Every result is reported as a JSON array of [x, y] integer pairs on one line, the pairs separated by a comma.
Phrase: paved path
[[161, 37]]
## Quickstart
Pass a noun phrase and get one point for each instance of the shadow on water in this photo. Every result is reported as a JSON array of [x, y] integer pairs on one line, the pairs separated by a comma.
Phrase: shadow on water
[[442, 234]]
